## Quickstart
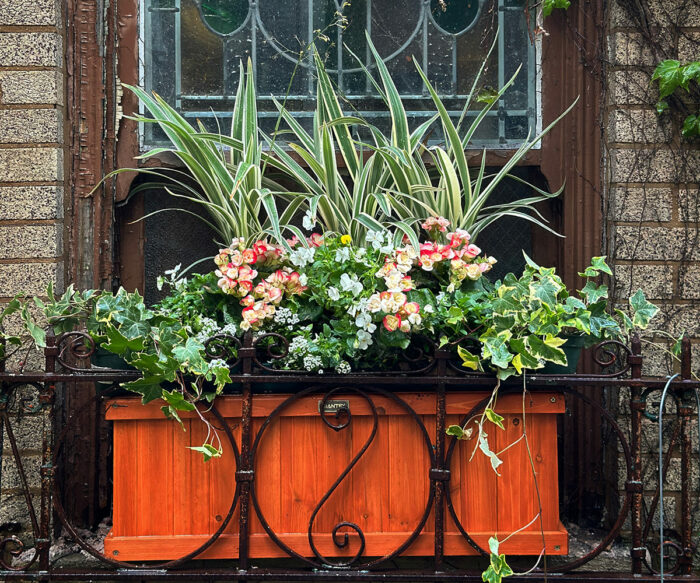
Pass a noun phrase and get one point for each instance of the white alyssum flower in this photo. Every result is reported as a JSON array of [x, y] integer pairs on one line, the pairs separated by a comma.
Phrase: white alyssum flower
[[312, 362], [343, 367], [285, 316], [299, 345], [351, 284], [218, 363], [333, 293]]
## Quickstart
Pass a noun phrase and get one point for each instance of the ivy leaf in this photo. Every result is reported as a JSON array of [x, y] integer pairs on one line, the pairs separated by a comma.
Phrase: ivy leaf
[[496, 349], [627, 324], [221, 376], [177, 400], [37, 333], [547, 349], [148, 387], [207, 450], [597, 265], [458, 432], [493, 458], [494, 417], [669, 75], [691, 126], [120, 344], [190, 354], [493, 545], [469, 360], [549, 5], [642, 310], [545, 290], [592, 292]]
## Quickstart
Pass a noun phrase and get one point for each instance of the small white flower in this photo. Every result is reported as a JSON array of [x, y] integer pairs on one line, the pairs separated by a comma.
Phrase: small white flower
[[363, 320], [414, 319], [303, 279], [351, 284], [333, 293], [343, 367], [303, 256], [364, 340], [308, 221], [342, 254], [428, 309]]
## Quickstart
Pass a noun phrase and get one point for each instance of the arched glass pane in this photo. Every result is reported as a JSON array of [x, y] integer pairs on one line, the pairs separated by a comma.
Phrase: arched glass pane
[[193, 50]]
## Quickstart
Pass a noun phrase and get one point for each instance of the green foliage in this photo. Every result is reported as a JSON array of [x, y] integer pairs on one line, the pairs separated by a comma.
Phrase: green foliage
[[498, 567], [530, 314], [672, 76]]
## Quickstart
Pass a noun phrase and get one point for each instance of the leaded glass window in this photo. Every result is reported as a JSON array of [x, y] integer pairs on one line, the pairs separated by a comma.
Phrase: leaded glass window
[[192, 50]]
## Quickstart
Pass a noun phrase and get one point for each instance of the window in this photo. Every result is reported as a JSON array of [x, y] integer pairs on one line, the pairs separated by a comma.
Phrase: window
[[192, 50]]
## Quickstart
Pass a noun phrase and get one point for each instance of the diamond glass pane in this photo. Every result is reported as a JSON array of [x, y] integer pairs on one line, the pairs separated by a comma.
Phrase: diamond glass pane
[[193, 49]]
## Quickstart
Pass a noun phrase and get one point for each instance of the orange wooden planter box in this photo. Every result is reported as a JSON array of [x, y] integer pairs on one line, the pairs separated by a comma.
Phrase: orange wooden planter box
[[167, 501]]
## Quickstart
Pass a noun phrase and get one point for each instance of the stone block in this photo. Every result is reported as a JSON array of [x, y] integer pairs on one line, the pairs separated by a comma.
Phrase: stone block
[[641, 203], [30, 278], [639, 127], [28, 432], [31, 87], [24, 126], [632, 87], [656, 281], [30, 241], [689, 204], [29, 12], [31, 164], [10, 474], [678, 319], [655, 243], [684, 13], [689, 43], [690, 282], [31, 202], [652, 165], [629, 48], [14, 515], [30, 49]]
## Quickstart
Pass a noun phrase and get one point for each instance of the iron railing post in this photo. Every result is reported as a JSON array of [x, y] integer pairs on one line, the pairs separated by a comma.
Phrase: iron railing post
[[637, 407]]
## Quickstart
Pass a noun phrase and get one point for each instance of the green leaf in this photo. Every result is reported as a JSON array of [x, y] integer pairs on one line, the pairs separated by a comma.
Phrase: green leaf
[[148, 387], [546, 290], [207, 450], [591, 292], [456, 431], [469, 360], [190, 354], [642, 310], [37, 333], [496, 348], [690, 72], [494, 417], [669, 75], [484, 447], [547, 348], [177, 400], [691, 126], [493, 545], [120, 344], [487, 95]]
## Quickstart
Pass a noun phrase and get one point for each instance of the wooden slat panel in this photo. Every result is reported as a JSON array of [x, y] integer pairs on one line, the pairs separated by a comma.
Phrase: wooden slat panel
[[423, 404], [171, 547], [300, 457]]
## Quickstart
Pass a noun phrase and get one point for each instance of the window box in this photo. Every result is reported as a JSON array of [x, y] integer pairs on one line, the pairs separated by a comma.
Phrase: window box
[[168, 502]]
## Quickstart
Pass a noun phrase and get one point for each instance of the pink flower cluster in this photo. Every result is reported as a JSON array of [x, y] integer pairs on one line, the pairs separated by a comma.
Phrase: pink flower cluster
[[237, 274], [400, 313]]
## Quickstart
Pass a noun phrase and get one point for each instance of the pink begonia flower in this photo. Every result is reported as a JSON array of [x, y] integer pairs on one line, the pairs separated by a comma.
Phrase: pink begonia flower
[[472, 251], [439, 223], [391, 322]]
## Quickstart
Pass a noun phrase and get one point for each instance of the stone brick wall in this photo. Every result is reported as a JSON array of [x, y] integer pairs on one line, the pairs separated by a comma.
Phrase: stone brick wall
[[652, 199], [31, 203]]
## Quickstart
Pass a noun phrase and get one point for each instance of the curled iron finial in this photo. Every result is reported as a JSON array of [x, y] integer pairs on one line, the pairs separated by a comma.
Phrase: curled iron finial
[[14, 547], [224, 347], [75, 349], [276, 347], [613, 353]]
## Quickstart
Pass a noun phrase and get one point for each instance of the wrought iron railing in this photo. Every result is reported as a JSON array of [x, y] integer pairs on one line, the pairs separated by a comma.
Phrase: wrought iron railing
[[435, 371]]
